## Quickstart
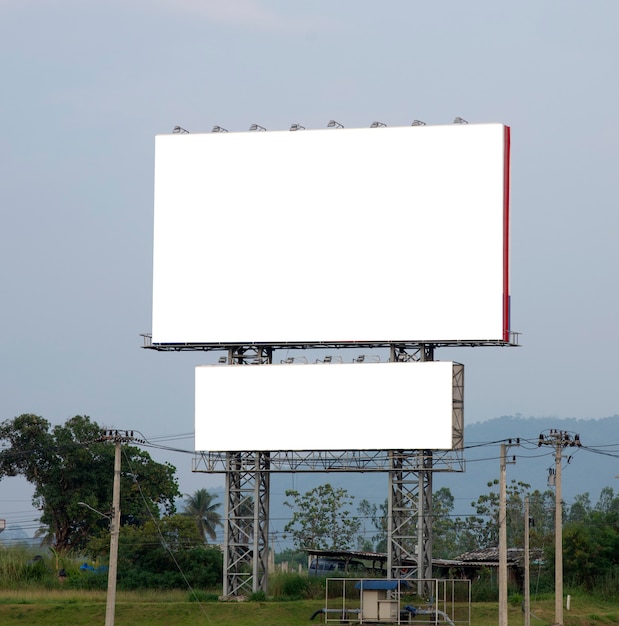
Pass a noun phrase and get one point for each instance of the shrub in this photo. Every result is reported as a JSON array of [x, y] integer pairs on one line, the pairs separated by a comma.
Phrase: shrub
[[203, 596], [258, 596]]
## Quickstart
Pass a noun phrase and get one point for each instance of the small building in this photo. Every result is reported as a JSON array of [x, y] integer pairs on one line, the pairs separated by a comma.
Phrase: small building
[[380, 599]]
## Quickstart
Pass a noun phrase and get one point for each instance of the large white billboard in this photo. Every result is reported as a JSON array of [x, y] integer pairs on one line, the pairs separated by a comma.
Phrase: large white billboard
[[351, 406], [332, 236]]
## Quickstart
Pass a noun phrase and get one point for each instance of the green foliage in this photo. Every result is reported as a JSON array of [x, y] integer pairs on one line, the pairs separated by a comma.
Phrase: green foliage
[[258, 596], [202, 596], [444, 528], [69, 465], [20, 565], [485, 588], [295, 586], [482, 529], [591, 541], [166, 554], [515, 599], [294, 558], [287, 586], [321, 519], [202, 509], [377, 517]]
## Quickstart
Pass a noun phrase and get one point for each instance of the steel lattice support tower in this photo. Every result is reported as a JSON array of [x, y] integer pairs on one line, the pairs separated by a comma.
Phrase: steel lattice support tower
[[410, 515], [425, 518], [246, 548], [246, 524], [410, 499]]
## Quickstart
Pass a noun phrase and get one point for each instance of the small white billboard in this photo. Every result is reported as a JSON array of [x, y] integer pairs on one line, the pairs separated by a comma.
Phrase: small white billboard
[[349, 406]]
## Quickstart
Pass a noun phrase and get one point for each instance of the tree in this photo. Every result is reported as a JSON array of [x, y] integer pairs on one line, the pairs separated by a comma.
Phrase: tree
[[201, 507], [367, 512], [444, 527], [591, 540], [166, 553], [377, 515], [482, 530], [321, 519], [72, 472]]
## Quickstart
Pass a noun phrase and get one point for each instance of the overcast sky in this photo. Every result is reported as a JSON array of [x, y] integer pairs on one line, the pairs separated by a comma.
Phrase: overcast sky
[[86, 86]]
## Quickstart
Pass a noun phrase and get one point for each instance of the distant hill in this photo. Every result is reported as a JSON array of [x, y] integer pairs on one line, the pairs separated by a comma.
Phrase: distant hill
[[587, 469]]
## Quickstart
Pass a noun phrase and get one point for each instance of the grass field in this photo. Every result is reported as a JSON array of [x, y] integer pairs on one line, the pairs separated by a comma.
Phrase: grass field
[[75, 608]]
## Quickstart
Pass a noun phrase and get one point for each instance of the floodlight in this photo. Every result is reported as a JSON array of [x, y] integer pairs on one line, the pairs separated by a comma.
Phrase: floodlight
[[459, 120], [297, 127], [178, 130], [294, 359], [330, 359], [257, 127], [359, 359], [219, 129], [377, 125], [223, 359], [418, 123], [334, 124]]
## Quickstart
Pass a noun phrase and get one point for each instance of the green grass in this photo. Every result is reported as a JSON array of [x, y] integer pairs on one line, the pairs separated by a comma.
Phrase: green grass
[[65, 607]]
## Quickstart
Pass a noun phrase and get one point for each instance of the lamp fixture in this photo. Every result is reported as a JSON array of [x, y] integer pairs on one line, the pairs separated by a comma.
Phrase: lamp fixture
[[377, 125], [257, 127], [219, 129], [297, 127], [334, 124], [418, 123], [178, 130], [459, 120]]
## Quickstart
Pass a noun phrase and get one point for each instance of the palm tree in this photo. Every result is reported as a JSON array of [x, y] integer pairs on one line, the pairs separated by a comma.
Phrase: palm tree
[[200, 506]]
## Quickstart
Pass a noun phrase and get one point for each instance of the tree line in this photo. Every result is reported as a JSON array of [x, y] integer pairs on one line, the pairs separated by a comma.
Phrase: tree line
[[323, 519], [71, 469]]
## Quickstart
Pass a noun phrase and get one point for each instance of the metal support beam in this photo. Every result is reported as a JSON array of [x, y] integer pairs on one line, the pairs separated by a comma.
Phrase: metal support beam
[[248, 477], [409, 553], [247, 474], [425, 520], [410, 497], [246, 525]]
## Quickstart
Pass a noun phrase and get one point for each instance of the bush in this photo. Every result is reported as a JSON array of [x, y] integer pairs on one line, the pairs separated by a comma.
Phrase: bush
[[296, 587], [258, 596], [291, 586], [203, 596], [515, 599]]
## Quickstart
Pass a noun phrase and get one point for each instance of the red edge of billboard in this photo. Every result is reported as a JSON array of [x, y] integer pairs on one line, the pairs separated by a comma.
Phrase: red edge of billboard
[[506, 182]]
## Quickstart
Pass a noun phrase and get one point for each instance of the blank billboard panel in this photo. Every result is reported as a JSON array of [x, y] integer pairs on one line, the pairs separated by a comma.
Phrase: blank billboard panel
[[329, 236], [352, 406]]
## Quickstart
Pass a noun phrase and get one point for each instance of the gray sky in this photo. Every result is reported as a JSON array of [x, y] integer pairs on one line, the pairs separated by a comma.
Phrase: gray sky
[[86, 85]]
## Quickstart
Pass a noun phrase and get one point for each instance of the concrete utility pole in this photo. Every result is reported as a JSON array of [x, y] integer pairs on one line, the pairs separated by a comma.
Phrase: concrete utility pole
[[527, 574], [559, 439], [503, 534], [118, 438]]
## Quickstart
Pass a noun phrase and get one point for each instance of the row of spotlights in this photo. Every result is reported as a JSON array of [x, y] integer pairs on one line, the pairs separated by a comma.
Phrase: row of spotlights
[[178, 130], [362, 358]]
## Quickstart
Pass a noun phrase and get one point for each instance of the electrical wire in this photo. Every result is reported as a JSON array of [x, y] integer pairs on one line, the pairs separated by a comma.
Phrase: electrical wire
[[164, 543]]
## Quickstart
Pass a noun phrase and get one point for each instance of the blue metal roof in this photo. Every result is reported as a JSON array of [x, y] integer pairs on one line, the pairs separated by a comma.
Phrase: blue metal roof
[[375, 583]]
